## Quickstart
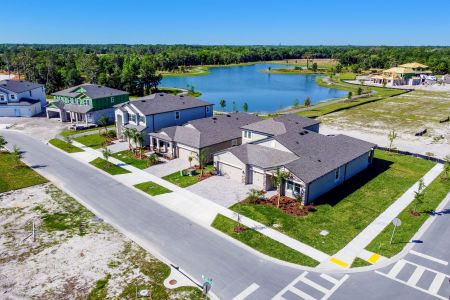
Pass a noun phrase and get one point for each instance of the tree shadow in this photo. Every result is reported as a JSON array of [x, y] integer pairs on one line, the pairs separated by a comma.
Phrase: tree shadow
[[38, 166], [438, 213], [334, 196]]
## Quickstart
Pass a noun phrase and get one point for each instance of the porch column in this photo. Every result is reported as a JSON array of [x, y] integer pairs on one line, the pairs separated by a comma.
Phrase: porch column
[[165, 146], [157, 145], [265, 182], [85, 119]]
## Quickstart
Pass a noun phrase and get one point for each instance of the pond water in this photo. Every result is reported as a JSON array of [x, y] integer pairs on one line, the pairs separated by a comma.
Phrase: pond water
[[263, 92]]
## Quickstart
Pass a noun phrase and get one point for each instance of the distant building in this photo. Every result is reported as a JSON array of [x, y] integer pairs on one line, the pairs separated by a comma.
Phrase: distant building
[[20, 98], [154, 112], [446, 78], [85, 103], [406, 74]]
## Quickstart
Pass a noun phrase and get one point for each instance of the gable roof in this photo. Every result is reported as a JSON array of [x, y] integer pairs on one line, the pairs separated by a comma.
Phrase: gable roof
[[93, 91], [19, 86], [281, 125], [261, 156], [205, 132], [162, 102]]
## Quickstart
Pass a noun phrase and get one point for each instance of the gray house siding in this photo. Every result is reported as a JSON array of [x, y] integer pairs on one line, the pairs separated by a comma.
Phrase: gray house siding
[[168, 119], [324, 184], [314, 128], [357, 165], [94, 116]]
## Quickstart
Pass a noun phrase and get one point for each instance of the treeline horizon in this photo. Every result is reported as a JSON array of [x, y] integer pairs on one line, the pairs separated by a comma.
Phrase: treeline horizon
[[135, 68]]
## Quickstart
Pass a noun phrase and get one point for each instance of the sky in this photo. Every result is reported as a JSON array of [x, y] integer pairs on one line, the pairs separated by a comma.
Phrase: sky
[[227, 22]]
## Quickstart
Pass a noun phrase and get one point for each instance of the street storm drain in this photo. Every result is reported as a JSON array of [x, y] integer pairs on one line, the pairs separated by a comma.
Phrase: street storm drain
[[324, 233], [172, 282]]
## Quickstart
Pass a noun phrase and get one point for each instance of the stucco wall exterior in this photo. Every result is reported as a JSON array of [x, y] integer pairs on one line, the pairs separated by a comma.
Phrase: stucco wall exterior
[[324, 184]]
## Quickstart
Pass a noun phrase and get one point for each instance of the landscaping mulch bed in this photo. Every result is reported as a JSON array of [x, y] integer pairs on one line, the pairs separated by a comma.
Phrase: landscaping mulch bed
[[289, 205]]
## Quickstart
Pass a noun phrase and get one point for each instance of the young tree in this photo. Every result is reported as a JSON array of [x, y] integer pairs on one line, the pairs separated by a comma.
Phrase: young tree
[[3, 143], [202, 158], [446, 170], [314, 67], [308, 101], [391, 137], [17, 155], [133, 137], [245, 107], [234, 107], [278, 178], [359, 91], [222, 103], [152, 159], [295, 103], [190, 159], [106, 155], [68, 140], [419, 196], [349, 95], [254, 195], [127, 133], [103, 122], [139, 138]]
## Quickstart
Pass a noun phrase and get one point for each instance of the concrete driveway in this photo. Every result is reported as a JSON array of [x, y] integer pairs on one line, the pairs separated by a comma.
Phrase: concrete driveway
[[221, 190], [168, 167]]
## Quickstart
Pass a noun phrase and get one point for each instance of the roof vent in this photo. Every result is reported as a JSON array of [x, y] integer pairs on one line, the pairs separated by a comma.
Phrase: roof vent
[[183, 102], [302, 133], [181, 96], [161, 95], [142, 100], [319, 160], [297, 142], [296, 122], [306, 132], [228, 115], [214, 118]]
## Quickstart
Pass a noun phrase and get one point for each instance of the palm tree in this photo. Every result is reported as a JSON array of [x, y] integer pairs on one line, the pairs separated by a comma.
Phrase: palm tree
[[245, 107], [278, 179], [103, 122], [201, 158], [3, 143], [308, 101], [127, 134], [106, 155], [17, 155], [133, 134], [139, 138], [152, 159], [419, 196]]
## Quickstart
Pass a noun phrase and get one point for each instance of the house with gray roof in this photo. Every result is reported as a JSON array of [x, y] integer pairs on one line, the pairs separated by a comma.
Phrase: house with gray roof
[[85, 103], [157, 111], [21, 98], [315, 163], [208, 135]]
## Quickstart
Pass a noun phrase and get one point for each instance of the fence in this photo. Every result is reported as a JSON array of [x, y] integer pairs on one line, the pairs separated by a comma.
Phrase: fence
[[435, 159]]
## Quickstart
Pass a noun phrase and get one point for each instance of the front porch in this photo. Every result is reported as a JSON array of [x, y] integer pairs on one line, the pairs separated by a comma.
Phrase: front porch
[[163, 147]]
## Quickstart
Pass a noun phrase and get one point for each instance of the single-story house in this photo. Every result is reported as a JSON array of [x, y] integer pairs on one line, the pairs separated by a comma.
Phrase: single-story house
[[315, 163], [406, 74], [85, 103], [154, 112], [209, 135], [20, 98]]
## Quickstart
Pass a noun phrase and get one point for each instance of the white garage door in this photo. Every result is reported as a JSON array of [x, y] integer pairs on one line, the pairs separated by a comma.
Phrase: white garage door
[[184, 154], [258, 179], [230, 172]]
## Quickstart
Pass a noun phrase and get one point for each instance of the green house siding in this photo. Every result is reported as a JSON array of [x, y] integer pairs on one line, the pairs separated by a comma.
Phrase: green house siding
[[97, 104]]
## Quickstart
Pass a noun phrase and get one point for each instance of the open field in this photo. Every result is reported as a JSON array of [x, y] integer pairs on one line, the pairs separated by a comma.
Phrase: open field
[[348, 209], [321, 62], [18, 176], [75, 255]]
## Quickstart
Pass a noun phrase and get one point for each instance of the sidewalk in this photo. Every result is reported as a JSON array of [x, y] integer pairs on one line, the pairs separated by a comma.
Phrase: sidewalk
[[356, 247], [192, 206]]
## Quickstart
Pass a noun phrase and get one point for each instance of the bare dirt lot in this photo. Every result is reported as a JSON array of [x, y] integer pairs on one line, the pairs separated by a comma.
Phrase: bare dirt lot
[[406, 114], [75, 255], [40, 128]]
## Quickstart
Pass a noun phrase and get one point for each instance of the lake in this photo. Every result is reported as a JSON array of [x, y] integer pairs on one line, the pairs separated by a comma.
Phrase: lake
[[263, 92]]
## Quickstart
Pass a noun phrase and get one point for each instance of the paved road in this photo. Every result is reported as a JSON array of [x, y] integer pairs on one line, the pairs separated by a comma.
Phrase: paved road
[[234, 269]]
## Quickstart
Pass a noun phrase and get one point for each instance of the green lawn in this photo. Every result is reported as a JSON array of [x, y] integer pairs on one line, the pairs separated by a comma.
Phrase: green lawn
[[434, 193], [65, 146], [95, 140], [108, 166], [72, 132], [359, 262], [13, 177], [152, 188], [185, 181], [262, 243], [128, 157], [348, 209]]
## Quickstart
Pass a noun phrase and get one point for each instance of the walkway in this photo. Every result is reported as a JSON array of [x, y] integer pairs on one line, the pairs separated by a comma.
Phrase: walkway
[[356, 247], [192, 206]]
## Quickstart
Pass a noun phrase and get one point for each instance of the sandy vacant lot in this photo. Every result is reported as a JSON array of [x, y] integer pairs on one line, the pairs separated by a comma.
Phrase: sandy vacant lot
[[75, 255], [406, 114], [40, 128]]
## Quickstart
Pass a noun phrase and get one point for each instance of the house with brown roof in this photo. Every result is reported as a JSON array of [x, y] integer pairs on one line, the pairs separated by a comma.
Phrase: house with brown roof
[[315, 163], [406, 74]]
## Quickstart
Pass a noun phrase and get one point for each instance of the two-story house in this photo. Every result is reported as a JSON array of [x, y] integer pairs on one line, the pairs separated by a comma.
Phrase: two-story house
[[86, 103], [315, 163], [20, 98], [154, 112]]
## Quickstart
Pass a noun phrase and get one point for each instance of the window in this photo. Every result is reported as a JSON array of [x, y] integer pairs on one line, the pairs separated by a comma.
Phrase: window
[[13, 97], [30, 94], [141, 119], [112, 99], [247, 134], [208, 109], [2, 98], [336, 174], [177, 115], [133, 118]]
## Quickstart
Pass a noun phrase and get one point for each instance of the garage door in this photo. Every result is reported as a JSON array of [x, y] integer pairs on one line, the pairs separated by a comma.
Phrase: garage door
[[230, 172], [184, 154], [258, 179]]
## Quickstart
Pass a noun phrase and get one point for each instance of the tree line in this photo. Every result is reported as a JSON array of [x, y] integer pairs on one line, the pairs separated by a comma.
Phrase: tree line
[[135, 68]]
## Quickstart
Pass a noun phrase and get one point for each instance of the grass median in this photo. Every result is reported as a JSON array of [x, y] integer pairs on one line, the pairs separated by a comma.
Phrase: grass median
[[151, 188], [108, 167], [262, 243], [65, 146]]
